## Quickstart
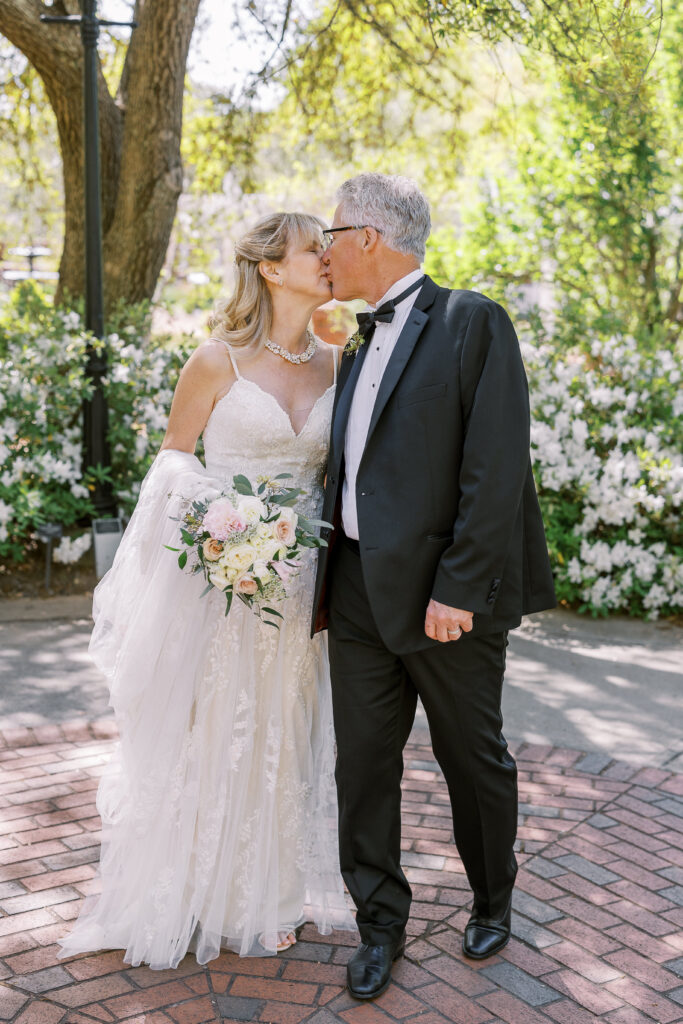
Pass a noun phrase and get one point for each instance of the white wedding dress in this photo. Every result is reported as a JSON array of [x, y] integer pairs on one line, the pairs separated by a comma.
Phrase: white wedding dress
[[219, 806]]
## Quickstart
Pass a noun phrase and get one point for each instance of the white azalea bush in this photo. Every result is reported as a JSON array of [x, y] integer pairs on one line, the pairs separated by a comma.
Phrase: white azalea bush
[[606, 436], [72, 549], [42, 387], [142, 376], [607, 447]]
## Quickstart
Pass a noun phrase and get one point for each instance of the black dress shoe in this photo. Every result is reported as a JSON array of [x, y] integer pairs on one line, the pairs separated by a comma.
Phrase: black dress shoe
[[368, 972], [485, 936]]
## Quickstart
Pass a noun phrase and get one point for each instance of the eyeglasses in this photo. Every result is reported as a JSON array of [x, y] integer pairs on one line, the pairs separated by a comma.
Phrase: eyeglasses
[[329, 233]]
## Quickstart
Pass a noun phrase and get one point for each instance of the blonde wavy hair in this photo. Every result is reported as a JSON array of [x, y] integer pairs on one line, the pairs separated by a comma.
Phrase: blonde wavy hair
[[245, 319]]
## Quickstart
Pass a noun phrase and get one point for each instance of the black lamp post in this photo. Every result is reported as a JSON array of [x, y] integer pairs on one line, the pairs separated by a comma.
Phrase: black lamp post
[[96, 448]]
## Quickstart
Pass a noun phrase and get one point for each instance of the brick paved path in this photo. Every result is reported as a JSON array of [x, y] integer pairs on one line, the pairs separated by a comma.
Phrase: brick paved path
[[598, 923]]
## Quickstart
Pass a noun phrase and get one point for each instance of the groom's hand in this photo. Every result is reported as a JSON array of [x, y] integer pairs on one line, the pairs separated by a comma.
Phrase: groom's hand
[[446, 624]]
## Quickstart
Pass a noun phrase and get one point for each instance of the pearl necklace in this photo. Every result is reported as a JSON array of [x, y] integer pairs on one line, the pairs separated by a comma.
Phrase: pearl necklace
[[292, 357]]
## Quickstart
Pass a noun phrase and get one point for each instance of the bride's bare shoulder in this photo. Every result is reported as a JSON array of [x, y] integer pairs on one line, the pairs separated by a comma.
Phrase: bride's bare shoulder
[[211, 351], [325, 347], [210, 358]]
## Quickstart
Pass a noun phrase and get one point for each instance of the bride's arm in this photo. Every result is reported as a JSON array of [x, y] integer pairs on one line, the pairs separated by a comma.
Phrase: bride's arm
[[206, 375]]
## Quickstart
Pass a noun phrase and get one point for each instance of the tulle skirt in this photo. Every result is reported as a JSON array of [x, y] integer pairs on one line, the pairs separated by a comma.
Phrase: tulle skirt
[[218, 807]]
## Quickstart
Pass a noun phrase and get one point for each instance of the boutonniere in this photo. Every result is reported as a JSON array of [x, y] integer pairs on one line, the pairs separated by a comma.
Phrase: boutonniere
[[353, 344]]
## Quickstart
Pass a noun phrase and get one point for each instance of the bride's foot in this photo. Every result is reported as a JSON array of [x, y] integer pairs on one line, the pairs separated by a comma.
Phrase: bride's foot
[[285, 939]]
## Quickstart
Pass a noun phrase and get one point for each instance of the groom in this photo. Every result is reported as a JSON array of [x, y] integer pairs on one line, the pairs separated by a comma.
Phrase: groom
[[438, 550]]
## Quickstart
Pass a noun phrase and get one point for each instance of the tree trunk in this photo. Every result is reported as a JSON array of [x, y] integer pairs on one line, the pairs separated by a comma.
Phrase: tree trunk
[[140, 135], [151, 175]]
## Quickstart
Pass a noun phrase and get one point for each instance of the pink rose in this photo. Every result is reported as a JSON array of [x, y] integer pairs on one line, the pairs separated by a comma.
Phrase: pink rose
[[245, 584], [213, 549], [222, 519], [284, 531], [284, 571]]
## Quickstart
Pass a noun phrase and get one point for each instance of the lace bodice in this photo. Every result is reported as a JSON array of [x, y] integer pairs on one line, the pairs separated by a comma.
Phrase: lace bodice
[[249, 432]]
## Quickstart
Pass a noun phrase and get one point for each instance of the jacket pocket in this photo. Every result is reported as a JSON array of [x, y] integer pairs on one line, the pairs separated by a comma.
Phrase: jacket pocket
[[444, 535], [425, 394]]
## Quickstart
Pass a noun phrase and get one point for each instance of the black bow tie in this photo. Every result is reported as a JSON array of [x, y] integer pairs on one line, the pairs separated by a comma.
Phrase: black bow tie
[[367, 320], [385, 313]]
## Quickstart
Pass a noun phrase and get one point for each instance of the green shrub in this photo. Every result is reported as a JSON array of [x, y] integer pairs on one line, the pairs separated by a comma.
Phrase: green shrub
[[605, 439], [42, 388]]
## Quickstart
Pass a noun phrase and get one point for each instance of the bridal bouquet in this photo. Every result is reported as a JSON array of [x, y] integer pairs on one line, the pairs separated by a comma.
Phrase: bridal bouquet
[[248, 543]]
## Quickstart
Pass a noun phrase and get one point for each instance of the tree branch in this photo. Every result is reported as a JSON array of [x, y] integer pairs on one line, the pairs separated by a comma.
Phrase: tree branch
[[122, 91], [151, 176], [49, 51]]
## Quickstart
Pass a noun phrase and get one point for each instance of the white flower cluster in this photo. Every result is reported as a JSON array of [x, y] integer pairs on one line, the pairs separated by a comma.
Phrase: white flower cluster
[[247, 544], [41, 393], [42, 388], [139, 390], [606, 442], [70, 549], [243, 543], [606, 445]]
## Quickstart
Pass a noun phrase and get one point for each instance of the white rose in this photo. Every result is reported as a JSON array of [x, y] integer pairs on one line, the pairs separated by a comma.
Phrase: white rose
[[261, 571], [271, 549], [240, 556], [262, 546], [265, 531], [252, 508], [219, 578]]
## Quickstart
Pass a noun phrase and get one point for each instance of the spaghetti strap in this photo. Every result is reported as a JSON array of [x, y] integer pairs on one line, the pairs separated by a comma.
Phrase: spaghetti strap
[[230, 356], [335, 360]]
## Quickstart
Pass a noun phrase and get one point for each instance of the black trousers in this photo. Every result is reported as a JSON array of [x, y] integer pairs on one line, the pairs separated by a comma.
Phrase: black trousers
[[375, 695]]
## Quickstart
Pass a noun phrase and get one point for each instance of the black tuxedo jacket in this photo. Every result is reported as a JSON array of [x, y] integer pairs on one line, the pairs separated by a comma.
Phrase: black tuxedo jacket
[[447, 506]]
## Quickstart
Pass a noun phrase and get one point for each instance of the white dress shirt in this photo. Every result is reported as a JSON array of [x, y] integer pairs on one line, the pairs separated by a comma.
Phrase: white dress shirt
[[375, 361]]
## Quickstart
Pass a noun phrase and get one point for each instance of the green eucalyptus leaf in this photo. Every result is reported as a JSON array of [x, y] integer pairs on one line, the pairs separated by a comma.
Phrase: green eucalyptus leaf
[[242, 485]]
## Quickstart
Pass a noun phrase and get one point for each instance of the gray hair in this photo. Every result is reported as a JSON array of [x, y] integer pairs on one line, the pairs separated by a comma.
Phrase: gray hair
[[391, 203]]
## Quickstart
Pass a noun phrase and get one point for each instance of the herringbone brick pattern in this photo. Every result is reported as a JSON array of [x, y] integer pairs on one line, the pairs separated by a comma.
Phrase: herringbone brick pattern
[[598, 923]]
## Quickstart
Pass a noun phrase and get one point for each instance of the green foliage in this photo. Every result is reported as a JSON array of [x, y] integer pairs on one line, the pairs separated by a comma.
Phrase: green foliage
[[42, 388], [548, 137], [30, 169], [219, 137], [547, 134], [586, 196], [606, 442]]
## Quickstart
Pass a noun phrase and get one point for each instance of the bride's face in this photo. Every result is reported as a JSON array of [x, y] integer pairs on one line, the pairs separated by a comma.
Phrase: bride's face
[[302, 270]]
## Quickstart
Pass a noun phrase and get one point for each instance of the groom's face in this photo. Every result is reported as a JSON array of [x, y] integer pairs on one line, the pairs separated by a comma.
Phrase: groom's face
[[344, 261]]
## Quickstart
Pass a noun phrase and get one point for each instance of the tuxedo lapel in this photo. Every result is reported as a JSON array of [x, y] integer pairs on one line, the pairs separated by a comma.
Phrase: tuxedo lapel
[[348, 375], [403, 349]]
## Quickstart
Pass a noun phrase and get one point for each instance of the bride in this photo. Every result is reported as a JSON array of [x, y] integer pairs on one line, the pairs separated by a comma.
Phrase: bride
[[219, 809]]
